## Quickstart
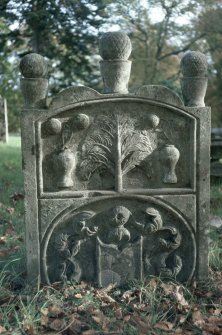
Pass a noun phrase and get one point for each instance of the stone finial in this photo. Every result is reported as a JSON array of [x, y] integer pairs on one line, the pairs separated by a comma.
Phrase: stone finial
[[115, 45], [34, 85], [194, 64], [115, 49], [34, 66], [194, 82]]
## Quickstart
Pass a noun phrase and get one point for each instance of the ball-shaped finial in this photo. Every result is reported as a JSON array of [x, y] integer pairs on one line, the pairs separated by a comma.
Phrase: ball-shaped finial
[[115, 45], [80, 121], [194, 64], [52, 127], [34, 66]]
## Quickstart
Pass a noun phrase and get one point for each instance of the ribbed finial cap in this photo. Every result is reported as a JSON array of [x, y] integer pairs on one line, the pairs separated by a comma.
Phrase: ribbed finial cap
[[115, 46], [34, 66], [194, 64]]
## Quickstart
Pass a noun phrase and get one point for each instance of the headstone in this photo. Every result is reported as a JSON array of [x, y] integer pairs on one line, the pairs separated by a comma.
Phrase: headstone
[[116, 184], [3, 120]]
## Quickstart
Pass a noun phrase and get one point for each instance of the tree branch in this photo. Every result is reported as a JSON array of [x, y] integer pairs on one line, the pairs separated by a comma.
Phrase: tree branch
[[176, 52]]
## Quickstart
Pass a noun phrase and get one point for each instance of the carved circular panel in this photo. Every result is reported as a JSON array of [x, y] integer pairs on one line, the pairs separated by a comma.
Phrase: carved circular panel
[[116, 239]]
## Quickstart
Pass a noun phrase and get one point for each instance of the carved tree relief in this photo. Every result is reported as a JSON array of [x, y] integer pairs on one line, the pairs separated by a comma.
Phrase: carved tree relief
[[114, 144]]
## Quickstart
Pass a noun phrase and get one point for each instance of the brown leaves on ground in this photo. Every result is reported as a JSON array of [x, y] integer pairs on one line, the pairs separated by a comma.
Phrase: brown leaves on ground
[[2, 329], [16, 197], [154, 308]]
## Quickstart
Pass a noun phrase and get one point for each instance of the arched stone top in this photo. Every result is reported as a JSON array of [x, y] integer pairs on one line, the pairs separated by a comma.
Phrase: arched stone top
[[160, 93], [71, 95]]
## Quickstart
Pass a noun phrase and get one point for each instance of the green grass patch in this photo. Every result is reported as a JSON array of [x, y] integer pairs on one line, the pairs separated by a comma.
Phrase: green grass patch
[[11, 204]]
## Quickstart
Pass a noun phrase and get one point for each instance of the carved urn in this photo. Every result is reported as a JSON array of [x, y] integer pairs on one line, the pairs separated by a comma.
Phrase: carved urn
[[169, 156], [64, 164]]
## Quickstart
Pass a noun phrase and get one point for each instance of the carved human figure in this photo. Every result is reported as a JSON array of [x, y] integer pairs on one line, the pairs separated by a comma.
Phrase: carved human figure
[[117, 231], [149, 222], [69, 246]]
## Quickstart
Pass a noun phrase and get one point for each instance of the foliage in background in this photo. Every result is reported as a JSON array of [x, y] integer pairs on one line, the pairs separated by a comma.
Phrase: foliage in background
[[66, 32]]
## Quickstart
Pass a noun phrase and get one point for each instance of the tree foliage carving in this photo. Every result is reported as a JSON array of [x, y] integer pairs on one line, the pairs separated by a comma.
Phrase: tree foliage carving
[[116, 145]]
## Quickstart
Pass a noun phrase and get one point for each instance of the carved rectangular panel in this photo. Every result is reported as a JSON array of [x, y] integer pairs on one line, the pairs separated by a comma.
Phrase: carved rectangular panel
[[114, 146]]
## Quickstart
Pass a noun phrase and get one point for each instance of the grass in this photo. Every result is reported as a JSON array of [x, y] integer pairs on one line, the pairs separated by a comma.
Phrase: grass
[[153, 307], [11, 203]]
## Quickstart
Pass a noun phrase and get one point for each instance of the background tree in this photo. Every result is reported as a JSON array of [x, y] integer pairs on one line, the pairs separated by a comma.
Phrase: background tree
[[64, 31], [209, 22]]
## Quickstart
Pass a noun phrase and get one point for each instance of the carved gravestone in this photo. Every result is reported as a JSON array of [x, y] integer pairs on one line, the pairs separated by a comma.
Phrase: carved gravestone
[[117, 184], [3, 120]]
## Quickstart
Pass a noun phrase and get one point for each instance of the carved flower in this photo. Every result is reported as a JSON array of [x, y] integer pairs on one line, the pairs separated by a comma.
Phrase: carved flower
[[121, 216]]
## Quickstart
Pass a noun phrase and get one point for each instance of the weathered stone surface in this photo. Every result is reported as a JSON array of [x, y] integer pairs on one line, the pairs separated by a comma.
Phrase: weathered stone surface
[[3, 120], [115, 49], [34, 85], [194, 81], [160, 93], [117, 185]]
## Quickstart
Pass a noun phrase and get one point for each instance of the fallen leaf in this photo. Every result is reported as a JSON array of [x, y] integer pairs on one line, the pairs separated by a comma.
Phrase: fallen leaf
[[44, 320], [2, 329], [178, 295], [74, 326], [10, 210], [89, 332], [108, 288], [129, 295], [44, 311], [153, 283], [17, 196], [164, 325], [216, 320], [143, 325], [5, 295], [78, 296], [126, 318], [197, 317], [57, 325], [3, 239], [104, 297], [118, 314], [99, 317], [210, 328], [56, 310], [168, 288], [29, 328]]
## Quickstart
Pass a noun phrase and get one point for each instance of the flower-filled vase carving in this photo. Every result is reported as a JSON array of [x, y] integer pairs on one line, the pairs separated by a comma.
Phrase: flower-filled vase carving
[[64, 164], [169, 156]]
